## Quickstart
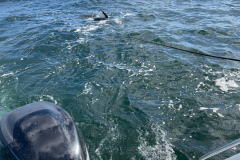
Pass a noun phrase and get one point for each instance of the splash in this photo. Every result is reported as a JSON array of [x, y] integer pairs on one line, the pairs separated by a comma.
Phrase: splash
[[161, 150]]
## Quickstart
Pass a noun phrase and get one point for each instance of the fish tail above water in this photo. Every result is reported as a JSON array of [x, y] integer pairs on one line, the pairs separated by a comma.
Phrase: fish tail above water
[[106, 16]]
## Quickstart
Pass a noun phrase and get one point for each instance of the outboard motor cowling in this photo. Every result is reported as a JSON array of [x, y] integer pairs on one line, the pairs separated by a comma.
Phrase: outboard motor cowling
[[41, 131]]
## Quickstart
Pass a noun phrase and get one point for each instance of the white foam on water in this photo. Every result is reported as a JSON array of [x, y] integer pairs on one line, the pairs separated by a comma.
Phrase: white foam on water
[[126, 14], [88, 28], [199, 86], [43, 97], [161, 150], [7, 74], [81, 40], [213, 109], [171, 105], [238, 105], [129, 14], [225, 84], [85, 30], [87, 89], [111, 137], [180, 107], [134, 71], [235, 74]]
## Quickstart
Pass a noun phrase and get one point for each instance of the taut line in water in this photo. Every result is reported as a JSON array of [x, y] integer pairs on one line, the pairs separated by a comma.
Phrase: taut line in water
[[185, 50]]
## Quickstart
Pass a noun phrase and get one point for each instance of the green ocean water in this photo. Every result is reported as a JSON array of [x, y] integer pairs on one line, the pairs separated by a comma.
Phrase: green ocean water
[[131, 100]]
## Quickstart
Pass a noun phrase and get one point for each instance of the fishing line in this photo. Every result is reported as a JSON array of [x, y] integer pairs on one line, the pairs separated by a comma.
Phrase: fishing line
[[185, 50]]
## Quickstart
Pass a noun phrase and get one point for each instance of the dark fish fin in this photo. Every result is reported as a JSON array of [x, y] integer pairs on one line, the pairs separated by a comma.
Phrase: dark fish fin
[[106, 16]]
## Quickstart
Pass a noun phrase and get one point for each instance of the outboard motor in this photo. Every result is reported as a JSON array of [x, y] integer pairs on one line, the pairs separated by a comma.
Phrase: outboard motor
[[41, 131]]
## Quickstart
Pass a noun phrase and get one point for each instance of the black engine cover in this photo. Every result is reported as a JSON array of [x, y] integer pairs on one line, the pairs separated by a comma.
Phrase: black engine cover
[[41, 131]]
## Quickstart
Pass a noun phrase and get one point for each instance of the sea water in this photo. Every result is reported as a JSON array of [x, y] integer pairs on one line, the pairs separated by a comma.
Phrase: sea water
[[130, 99]]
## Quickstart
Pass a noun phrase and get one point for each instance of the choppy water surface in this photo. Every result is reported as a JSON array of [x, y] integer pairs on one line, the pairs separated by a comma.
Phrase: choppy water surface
[[131, 100]]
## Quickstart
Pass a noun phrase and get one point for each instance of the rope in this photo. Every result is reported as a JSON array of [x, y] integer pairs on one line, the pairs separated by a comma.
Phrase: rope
[[198, 53]]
